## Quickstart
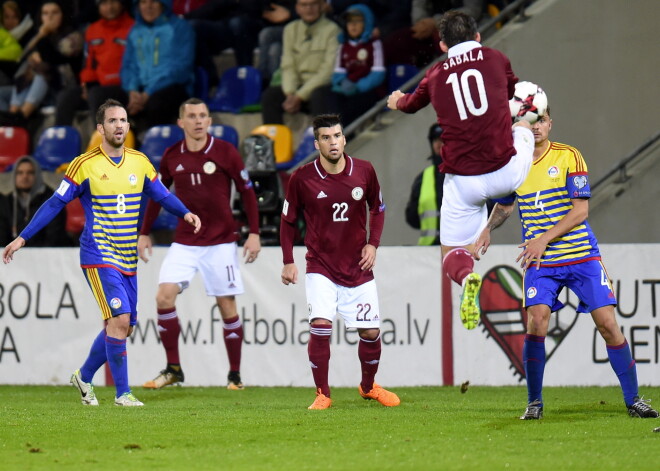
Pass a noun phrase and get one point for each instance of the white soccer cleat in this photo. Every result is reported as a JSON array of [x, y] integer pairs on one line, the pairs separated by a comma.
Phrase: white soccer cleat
[[87, 395], [128, 400]]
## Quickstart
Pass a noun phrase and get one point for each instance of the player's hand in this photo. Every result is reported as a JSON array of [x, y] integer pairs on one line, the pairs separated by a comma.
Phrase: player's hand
[[12, 247], [393, 99], [193, 220], [482, 244], [251, 248], [532, 252], [290, 274], [144, 247], [368, 260]]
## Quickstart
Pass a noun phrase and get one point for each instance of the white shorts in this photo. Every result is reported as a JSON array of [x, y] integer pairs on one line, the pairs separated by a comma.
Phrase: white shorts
[[218, 265], [357, 306], [463, 213]]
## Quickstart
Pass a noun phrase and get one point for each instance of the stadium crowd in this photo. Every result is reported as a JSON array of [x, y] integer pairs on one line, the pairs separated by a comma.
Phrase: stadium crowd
[[61, 59]]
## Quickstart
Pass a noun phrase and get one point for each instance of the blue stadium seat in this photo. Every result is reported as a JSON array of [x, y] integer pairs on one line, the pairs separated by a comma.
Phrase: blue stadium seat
[[57, 145], [157, 139], [398, 74], [165, 221], [305, 148], [225, 132], [239, 90]]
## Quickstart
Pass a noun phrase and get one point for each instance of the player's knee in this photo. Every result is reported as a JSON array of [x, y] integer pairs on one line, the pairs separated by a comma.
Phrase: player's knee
[[369, 334]]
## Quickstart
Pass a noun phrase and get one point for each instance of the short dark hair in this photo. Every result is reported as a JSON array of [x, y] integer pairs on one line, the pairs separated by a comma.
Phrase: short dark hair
[[109, 103], [191, 101], [456, 27], [325, 121]]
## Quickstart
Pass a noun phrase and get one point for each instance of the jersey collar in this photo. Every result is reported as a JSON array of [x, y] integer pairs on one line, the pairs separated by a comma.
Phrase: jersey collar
[[462, 48], [348, 168]]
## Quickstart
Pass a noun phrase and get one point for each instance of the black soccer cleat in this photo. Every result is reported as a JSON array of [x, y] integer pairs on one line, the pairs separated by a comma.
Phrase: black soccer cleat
[[640, 408], [534, 411], [234, 381]]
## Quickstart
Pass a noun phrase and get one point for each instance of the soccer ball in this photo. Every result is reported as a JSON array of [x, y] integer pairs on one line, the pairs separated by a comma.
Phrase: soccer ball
[[529, 102]]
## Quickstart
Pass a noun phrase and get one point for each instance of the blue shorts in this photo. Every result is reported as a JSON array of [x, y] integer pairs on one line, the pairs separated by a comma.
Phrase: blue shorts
[[588, 280], [114, 292]]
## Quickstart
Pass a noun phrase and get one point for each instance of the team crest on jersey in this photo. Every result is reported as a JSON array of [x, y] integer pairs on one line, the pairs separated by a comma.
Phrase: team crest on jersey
[[531, 292], [115, 303], [357, 193], [553, 171], [209, 167], [132, 179]]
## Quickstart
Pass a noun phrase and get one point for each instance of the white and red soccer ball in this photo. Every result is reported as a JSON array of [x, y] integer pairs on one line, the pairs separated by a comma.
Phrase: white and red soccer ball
[[529, 102]]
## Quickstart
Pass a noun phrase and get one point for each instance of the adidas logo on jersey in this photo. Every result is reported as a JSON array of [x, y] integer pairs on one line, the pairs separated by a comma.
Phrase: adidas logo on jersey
[[105, 177], [232, 285], [179, 168], [321, 195]]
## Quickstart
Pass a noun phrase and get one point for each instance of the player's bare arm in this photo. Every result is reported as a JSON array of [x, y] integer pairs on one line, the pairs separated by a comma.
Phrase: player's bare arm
[[251, 248], [11, 248], [500, 213], [194, 221], [290, 274], [393, 99], [144, 247], [368, 260], [533, 249]]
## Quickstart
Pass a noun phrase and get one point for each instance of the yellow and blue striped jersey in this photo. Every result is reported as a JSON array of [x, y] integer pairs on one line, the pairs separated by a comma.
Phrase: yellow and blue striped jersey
[[110, 194], [558, 176]]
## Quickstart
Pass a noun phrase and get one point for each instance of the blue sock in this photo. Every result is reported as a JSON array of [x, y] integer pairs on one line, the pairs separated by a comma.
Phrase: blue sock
[[116, 351], [624, 366], [534, 360], [97, 356]]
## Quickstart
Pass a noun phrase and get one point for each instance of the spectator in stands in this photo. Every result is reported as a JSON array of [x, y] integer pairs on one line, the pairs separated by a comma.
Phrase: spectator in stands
[[359, 67], [17, 207], [158, 65], [309, 50], [224, 24], [10, 53], [51, 60], [391, 15], [276, 16], [423, 208], [105, 41], [20, 26], [419, 45]]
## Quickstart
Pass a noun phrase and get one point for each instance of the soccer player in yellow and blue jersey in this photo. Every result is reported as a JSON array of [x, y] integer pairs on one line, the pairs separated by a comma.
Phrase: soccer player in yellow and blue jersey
[[560, 250], [109, 181]]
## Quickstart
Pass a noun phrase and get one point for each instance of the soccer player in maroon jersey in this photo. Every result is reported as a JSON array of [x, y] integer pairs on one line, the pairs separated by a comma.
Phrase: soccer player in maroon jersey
[[333, 193], [482, 157], [202, 169]]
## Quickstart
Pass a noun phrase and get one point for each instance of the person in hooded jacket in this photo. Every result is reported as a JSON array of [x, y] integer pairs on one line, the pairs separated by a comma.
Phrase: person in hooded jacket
[[29, 192]]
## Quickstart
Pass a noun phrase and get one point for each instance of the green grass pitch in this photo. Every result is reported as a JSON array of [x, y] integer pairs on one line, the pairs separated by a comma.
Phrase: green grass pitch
[[271, 429]]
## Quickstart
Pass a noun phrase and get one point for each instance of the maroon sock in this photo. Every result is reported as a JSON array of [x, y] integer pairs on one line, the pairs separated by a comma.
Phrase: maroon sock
[[458, 263], [233, 334], [369, 355], [318, 350], [169, 330]]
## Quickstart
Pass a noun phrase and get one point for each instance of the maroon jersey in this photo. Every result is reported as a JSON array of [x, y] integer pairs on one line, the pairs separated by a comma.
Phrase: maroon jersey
[[357, 59], [202, 180], [470, 93], [335, 212]]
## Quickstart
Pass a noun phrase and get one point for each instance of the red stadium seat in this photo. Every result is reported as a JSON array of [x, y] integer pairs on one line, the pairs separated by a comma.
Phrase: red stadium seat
[[14, 143], [75, 218]]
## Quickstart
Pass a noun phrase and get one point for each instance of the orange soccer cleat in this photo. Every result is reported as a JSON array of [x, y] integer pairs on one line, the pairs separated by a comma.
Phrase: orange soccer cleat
[[321, 402], [385, 397]]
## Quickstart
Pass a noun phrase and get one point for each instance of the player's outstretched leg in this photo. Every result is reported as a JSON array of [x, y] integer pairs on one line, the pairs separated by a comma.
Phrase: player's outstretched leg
[[458, 264], [470, 309], [534, 411], [380, 394], [87, 395]]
